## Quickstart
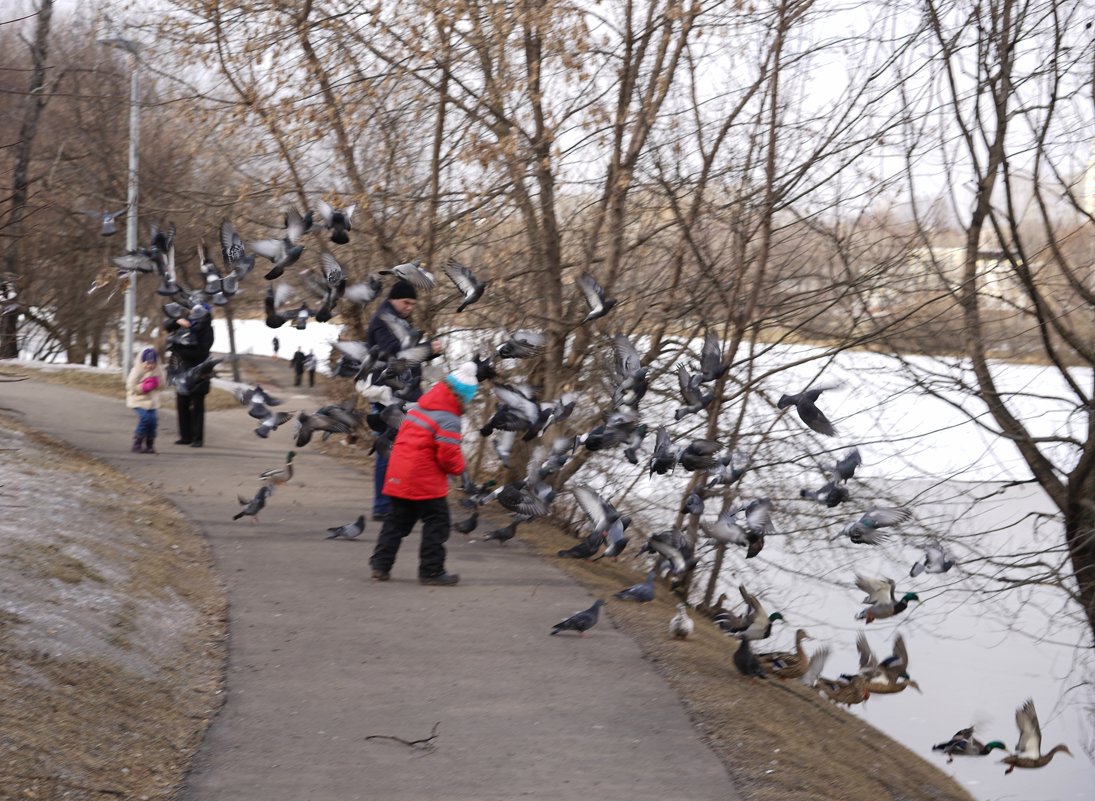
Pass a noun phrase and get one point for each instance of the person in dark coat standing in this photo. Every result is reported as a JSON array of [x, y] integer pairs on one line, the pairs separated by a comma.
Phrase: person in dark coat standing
[[277, 345], [297, 363], [425, 453], [310, 366], [190, 339], [401, 301]]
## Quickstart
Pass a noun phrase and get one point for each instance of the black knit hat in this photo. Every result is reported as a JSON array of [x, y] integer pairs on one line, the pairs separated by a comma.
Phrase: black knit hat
[[402, 289]]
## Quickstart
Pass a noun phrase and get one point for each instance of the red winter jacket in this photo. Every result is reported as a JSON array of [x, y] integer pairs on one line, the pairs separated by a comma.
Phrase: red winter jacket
[[427, 448]]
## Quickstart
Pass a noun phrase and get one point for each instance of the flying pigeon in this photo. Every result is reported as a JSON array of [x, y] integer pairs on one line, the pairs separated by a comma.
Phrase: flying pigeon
[[616, 539], [337, 221], [236, 258], [935, 561], [413, 274], [845, 468], [106, 220], [866, 529], [804, 403], [271, 423], [466, 283], [712, 367], [831, 494], [282, 252], [692, 393], [523, 345], [594, 295]]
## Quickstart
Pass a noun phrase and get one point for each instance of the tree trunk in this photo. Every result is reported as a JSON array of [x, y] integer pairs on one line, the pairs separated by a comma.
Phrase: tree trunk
[[1080, 537], [35, 101]]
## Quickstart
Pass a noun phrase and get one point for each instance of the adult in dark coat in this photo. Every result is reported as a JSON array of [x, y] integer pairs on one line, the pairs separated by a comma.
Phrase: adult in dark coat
[[190, 339], [401, 300], [297, 363]]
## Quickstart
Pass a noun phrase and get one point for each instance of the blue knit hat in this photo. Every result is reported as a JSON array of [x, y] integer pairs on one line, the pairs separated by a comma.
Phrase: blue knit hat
[[149, 356], [463, 382]]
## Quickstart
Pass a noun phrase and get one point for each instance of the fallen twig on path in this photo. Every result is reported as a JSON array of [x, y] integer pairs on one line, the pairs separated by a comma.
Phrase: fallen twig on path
[[426, 743]]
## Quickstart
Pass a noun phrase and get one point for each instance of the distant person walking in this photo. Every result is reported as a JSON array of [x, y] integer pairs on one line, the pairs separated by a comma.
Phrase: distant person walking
[[310, 366], [298, 367], [142, 393], [190, 340], [277, 344]]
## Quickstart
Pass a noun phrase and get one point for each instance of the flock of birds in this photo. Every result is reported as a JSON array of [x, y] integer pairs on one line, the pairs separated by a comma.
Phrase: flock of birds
[[520, 413]]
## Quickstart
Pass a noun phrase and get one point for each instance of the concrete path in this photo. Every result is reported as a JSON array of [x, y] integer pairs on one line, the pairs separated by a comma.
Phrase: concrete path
[[320, 657]]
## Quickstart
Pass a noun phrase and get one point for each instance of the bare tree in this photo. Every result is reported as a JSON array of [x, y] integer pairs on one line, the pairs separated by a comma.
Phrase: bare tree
[[34, 101]]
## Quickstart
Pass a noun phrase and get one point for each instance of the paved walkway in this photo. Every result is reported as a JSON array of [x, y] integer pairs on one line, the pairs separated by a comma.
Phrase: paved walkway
[[320, 658]]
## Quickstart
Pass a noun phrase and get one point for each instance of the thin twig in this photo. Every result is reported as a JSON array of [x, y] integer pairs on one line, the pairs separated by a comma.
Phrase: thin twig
[[426, 742]]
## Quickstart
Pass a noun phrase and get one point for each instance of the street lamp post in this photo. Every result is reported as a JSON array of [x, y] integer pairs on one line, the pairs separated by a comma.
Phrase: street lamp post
[[132, 48]]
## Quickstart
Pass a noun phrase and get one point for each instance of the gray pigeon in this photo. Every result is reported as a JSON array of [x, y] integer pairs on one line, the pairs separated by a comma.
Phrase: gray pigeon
[[805, 404], [253, 506], [337, 221], [106, 219], [935, 561], [866, 529], [413, 274], [582, 621], [468, 524], [586, 548], [282, 252], [350, 531], [594, 295], [466, 283], [616, 539], [639, 592], [523, 345], [504, 534]]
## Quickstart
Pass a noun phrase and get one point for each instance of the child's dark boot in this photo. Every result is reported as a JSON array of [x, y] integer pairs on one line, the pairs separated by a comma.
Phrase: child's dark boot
[[138, 443]]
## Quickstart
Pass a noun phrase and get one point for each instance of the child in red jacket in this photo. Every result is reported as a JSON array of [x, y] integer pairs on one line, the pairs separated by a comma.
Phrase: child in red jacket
[[426, 452]]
